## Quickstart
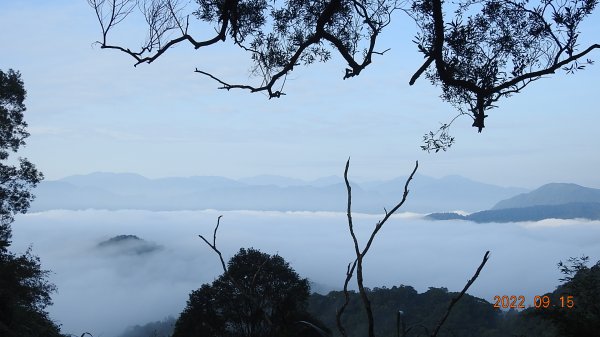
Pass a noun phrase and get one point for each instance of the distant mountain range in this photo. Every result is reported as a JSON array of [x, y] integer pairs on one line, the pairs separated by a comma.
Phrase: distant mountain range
[[551, 201], [266, 192], [552, 194]]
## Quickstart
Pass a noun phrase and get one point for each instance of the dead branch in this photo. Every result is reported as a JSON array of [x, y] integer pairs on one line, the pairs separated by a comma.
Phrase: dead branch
[[213, 246], [340, 311], [455, 300], [360, 254]]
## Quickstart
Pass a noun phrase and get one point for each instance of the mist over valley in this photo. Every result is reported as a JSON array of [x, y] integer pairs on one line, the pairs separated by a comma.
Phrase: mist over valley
[[104, 291]]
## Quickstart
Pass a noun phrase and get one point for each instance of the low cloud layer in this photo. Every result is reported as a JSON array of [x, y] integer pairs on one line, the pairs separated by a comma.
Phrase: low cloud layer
[[103, 293]]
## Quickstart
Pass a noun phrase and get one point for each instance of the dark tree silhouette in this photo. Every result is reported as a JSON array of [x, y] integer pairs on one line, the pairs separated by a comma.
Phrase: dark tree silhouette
[[494, 48], [277, 35], [489, 49], [24, 295], [15, 181], [574, 307], [24, 289], [258, 295]]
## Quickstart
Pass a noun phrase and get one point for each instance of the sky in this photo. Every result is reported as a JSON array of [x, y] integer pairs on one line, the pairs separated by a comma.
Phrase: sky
[[90, 110]]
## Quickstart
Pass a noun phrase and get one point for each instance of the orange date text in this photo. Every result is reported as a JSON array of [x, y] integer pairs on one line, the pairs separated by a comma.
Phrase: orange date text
[[539, 302]]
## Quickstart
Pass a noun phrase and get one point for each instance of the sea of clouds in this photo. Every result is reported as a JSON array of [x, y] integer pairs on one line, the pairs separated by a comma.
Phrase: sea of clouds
[[102, 291]]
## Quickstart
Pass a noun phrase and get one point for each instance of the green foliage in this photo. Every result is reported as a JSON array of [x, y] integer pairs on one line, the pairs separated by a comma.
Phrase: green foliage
[[519, 324], [277, 35], [490, 43], [491, 49], [15, 181], [259, 295], [420, 312], [24, 289], [24, 294], [583, 284]]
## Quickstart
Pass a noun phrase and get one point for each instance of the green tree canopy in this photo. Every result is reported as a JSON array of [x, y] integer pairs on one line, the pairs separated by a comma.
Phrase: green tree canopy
[[574, 307], [24, 289], [15, 181], [260, 295]]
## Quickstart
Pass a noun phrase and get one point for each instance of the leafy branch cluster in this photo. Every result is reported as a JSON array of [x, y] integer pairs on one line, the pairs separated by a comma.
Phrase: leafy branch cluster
[[489, 49], [439, 140], [494, 48], [278, 35]]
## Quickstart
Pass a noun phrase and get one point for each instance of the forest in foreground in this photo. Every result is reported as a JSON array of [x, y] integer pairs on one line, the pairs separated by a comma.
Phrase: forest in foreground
[[572, 309]]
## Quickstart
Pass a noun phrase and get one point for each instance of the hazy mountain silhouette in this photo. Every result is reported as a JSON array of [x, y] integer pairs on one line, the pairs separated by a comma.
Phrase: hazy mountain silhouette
[[575, 210], [552, 194], [265, 192], [268, 179], [550, 201], [128, 244]]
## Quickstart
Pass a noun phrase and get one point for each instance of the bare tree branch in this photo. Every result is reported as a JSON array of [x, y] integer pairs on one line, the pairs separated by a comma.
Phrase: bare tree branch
[[213, 246], [340, 311], [422, 69], [457, 298], [300, 32], [360, 254]]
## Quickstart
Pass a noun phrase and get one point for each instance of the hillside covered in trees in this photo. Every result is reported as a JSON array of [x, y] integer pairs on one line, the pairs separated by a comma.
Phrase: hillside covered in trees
[[402, 311]]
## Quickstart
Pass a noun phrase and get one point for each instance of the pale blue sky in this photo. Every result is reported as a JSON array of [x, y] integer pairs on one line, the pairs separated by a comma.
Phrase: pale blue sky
[[91, 110]]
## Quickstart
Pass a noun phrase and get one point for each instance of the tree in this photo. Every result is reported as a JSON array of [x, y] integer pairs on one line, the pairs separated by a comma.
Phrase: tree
[[495, 48], [402, 311], [360, 253], [258, 295], [574, 307], [205, 311], [24, 289], [15, 181], [490, 48], [24, 295], [278, 36]]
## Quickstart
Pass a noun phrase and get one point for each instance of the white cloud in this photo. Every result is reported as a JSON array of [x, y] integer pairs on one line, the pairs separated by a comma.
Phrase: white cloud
[[102, 293], [561, 223]]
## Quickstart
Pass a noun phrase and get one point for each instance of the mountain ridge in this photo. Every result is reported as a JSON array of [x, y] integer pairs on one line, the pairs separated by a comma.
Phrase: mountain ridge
[[551, 194], [102, 190], [549, 201]]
